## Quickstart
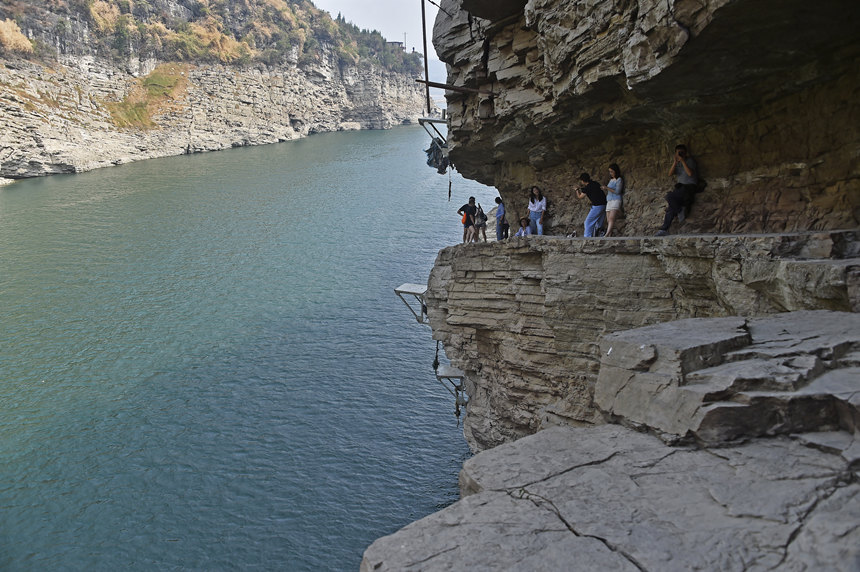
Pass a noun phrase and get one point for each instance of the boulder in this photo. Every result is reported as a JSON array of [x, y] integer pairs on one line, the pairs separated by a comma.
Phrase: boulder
[[731, 378]]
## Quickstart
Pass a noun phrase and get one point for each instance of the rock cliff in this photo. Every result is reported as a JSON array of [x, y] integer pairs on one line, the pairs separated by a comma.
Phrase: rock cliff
[[87, 85], [611, 498], [682, 403], [58, 119], [524, 317], [763, 93]]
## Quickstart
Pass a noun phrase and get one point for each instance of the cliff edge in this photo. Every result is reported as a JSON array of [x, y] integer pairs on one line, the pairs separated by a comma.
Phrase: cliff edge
[[644, 403], [524, 318], [785, 496]]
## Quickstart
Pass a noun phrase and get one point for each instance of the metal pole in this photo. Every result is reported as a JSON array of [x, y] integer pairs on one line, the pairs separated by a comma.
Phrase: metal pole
[[426, 65]]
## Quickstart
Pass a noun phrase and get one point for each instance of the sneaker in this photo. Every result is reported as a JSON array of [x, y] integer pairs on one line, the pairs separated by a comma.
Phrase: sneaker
[[661, 232]]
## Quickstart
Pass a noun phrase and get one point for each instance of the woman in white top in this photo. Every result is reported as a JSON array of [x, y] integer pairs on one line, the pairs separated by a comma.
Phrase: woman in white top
[[614, 190], [525, 229], [537, 207]]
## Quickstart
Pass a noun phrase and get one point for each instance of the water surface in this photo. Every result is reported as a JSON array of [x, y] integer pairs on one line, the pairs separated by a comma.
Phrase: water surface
[[203, 364]]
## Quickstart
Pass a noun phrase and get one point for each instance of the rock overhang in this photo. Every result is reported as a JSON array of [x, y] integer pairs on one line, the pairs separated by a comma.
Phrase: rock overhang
[[750, 85]]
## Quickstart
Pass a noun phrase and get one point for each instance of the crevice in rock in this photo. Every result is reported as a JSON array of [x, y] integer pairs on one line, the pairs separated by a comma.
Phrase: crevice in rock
[[434, 555], [542, 502], [847, 479], [654, 462], [564, 472]]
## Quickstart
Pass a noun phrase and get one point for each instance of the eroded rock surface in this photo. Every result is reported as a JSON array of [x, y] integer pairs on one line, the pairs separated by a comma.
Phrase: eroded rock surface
[[58, 119], [524, 318], [761, 92], [721, 379], [609, 498]]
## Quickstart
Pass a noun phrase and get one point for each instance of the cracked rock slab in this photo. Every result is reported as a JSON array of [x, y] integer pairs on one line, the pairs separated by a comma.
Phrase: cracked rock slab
[[609, 498], [490, 531], [790, 372]]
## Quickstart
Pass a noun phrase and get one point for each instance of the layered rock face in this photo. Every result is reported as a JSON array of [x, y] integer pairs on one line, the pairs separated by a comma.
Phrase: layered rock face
[[721, 379], [727, 440], [763, 93], [611, 498], [524, 318], [58, 120]]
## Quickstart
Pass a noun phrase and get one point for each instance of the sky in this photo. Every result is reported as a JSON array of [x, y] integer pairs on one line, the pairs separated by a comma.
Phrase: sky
[[392, 18]]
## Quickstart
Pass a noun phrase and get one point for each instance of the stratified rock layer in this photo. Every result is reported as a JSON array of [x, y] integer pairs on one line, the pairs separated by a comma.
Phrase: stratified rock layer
[[58, 120], [524, 318], [762, 92], [728, 378], [609, 498]]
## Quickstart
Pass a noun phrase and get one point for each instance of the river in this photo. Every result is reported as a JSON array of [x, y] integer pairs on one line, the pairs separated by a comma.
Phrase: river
[[203, 365]]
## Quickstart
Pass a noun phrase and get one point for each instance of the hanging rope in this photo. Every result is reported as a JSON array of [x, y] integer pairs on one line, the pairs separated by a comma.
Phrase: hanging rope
[[436, 359], [449, 185]]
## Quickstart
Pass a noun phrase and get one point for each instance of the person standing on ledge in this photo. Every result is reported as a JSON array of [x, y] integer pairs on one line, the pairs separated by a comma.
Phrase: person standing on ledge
[[592, 190], [684, 168], [614, 190], [480, 224], [501, 225], [537, 206], [468, 211]]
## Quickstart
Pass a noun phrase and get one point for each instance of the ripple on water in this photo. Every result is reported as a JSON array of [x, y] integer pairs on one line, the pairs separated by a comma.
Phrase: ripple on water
[[204, 364]]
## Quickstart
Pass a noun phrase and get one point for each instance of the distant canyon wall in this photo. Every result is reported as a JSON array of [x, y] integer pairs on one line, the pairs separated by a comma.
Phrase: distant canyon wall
[[763, 93], [78, 113]]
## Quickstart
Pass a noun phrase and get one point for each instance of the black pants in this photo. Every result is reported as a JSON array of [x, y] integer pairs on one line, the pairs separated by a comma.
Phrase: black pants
[[678, 198]]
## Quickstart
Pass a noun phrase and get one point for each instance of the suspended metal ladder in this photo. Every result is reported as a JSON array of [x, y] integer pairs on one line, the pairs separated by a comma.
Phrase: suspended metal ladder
[[413, 294]]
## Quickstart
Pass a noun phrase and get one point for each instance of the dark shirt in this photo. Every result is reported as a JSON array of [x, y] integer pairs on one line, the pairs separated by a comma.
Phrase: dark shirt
[[594, 193], [470, 211]]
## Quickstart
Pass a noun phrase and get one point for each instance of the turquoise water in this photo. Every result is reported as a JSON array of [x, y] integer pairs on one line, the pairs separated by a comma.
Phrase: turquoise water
[[203, 365]]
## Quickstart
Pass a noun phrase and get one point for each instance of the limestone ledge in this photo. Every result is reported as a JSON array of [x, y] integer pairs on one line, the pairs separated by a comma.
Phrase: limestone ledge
[[716, 380], [613, 498], [57, 119], [610, 498], [524, 318]]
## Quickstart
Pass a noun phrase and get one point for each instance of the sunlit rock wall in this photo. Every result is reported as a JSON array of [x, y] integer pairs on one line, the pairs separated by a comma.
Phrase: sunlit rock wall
[[57, 119]]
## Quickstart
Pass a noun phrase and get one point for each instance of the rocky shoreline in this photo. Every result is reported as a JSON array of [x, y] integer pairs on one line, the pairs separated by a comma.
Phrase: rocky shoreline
[[62, 118]]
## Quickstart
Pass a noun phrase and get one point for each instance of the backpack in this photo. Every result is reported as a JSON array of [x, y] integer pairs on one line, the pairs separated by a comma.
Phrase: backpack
[[480, 217]]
